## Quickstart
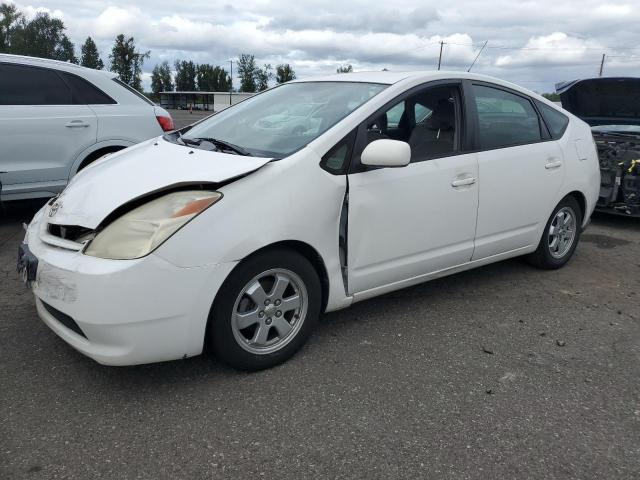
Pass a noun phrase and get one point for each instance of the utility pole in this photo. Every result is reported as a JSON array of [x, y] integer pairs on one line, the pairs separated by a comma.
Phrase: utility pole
[[474, 60], [440, 57], [231, 81], [602, 64]]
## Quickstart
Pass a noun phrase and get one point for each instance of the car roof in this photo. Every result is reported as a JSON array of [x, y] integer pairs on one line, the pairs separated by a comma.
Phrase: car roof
[[46, 62], [389, 77]]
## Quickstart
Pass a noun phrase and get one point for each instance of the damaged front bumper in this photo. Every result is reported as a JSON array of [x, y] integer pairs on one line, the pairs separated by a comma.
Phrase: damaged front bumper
[[122, 312]]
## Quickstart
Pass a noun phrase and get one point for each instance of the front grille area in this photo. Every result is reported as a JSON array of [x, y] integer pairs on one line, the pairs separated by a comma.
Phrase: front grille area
[[67, 232], [64, 319]]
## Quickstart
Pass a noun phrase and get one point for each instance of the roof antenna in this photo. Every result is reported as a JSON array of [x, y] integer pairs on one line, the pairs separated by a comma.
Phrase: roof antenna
[[474, 60]]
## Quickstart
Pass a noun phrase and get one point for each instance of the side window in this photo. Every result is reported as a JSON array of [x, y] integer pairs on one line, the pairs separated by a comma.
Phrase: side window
[[556, 121], [85, 93], [337, 159], [505, 119], [21, 85], [427, 121]]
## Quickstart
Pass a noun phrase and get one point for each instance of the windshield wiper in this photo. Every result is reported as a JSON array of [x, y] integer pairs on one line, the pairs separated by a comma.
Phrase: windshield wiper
[[187, 141], [224, 145]]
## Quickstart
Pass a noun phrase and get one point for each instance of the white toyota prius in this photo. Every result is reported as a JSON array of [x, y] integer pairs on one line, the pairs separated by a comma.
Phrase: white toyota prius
[[236, 237]]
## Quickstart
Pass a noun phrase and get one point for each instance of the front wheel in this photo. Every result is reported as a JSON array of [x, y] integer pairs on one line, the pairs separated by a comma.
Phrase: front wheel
[[560, 237], [265, 311]]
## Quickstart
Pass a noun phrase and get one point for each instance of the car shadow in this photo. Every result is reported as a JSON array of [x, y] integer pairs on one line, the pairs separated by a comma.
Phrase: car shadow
[[205, 369], [621, 222], [19, 211]]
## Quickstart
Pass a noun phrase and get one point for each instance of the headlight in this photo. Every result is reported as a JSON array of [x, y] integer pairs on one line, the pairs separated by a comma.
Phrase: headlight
[[143, 229]]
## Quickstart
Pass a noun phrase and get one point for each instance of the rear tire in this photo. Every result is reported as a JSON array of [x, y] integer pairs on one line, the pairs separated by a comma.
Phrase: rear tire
[[265, 310], [560, 236]]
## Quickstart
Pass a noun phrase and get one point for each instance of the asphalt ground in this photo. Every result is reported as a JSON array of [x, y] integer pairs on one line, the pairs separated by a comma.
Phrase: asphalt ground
[[501, 372], [182, 118]]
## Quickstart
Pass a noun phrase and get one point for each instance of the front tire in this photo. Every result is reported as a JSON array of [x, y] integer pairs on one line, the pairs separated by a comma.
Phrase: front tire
[[265, 311], [560, 237]]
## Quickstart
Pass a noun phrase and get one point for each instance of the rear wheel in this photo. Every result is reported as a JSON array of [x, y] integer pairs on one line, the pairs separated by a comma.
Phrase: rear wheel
[[560, 237], [265, 311]]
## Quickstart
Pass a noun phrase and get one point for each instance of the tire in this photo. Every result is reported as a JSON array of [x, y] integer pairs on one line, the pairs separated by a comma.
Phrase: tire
[[247, 328], [553, 252]]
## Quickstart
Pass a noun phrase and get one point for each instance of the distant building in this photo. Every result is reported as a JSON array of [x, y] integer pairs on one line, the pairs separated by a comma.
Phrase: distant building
[[210, 101]]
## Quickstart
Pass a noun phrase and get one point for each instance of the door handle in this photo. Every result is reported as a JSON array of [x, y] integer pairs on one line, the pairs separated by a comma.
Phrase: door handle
[[553, 164], [463, 181], [77, 124]]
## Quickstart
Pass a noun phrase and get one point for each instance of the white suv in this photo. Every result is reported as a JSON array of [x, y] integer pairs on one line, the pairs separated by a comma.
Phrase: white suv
[[57, 117]]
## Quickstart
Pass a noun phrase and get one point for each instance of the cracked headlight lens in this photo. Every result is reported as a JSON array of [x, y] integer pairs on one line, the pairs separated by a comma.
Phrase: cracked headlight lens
[[140, 231]]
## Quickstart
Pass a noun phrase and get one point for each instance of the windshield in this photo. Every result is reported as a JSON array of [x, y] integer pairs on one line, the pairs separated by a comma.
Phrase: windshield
[[305, 110]]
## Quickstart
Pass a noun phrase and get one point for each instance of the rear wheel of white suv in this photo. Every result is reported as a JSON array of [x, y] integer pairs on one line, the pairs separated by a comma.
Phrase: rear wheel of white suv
[[265, 310], [560, 236]]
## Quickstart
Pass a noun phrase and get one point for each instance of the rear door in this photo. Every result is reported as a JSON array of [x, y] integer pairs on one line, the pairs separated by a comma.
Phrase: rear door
[[521, 171], [41, 130]]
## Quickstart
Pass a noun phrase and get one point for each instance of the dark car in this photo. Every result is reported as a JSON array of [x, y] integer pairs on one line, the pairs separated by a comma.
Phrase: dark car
[[611, 105]]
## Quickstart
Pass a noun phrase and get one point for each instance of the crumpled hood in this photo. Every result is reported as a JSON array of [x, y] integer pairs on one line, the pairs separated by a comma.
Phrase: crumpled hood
[[603, 100], [137, 171]]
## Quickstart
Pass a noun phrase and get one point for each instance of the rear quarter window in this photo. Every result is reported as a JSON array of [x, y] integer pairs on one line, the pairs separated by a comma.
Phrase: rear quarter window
[[556, 121], [84, 92]]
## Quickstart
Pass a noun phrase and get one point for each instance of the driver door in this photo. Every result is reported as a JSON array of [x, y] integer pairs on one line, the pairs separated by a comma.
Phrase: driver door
[[412, 221]]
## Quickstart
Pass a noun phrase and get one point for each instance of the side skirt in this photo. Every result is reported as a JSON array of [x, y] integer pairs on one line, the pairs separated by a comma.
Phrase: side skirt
[[374, 292]]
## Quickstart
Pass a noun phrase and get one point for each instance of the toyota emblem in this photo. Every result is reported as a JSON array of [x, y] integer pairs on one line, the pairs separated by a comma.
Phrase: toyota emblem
[[54, 208]]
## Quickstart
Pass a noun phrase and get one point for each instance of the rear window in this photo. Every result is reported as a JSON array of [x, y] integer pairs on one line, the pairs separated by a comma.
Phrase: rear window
[[85, 93], [133, 90], [22, 85], [556, 121]]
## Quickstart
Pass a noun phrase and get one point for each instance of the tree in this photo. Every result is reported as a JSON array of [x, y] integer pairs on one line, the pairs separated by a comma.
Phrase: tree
[[10, 17], [284, 73], [247, 70], [43, 36], [127, 62], [345, 69], [212, 79], [262, 77], [185, 76], [161, 78], [66, 51], [554, 97], [90, 57]]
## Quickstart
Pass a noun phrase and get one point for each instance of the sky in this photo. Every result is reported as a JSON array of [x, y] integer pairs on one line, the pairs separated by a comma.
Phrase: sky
[[532, 43]]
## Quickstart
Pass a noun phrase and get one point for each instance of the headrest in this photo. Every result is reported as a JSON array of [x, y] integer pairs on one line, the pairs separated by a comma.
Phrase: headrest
[[442, 117]]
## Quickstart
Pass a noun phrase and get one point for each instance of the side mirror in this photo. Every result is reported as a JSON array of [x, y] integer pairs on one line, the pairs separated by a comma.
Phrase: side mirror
[[386, 153]]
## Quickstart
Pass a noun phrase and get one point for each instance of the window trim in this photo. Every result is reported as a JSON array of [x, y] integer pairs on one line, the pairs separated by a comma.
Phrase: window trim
[[544, 132], [463, 122]]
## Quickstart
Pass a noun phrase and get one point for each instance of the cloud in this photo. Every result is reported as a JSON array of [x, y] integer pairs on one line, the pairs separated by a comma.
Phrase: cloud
[[536, 43], [557, 48]]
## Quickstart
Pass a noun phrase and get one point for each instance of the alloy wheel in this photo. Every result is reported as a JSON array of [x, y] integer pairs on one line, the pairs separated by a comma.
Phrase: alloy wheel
[[562, 232], [269, 311]]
